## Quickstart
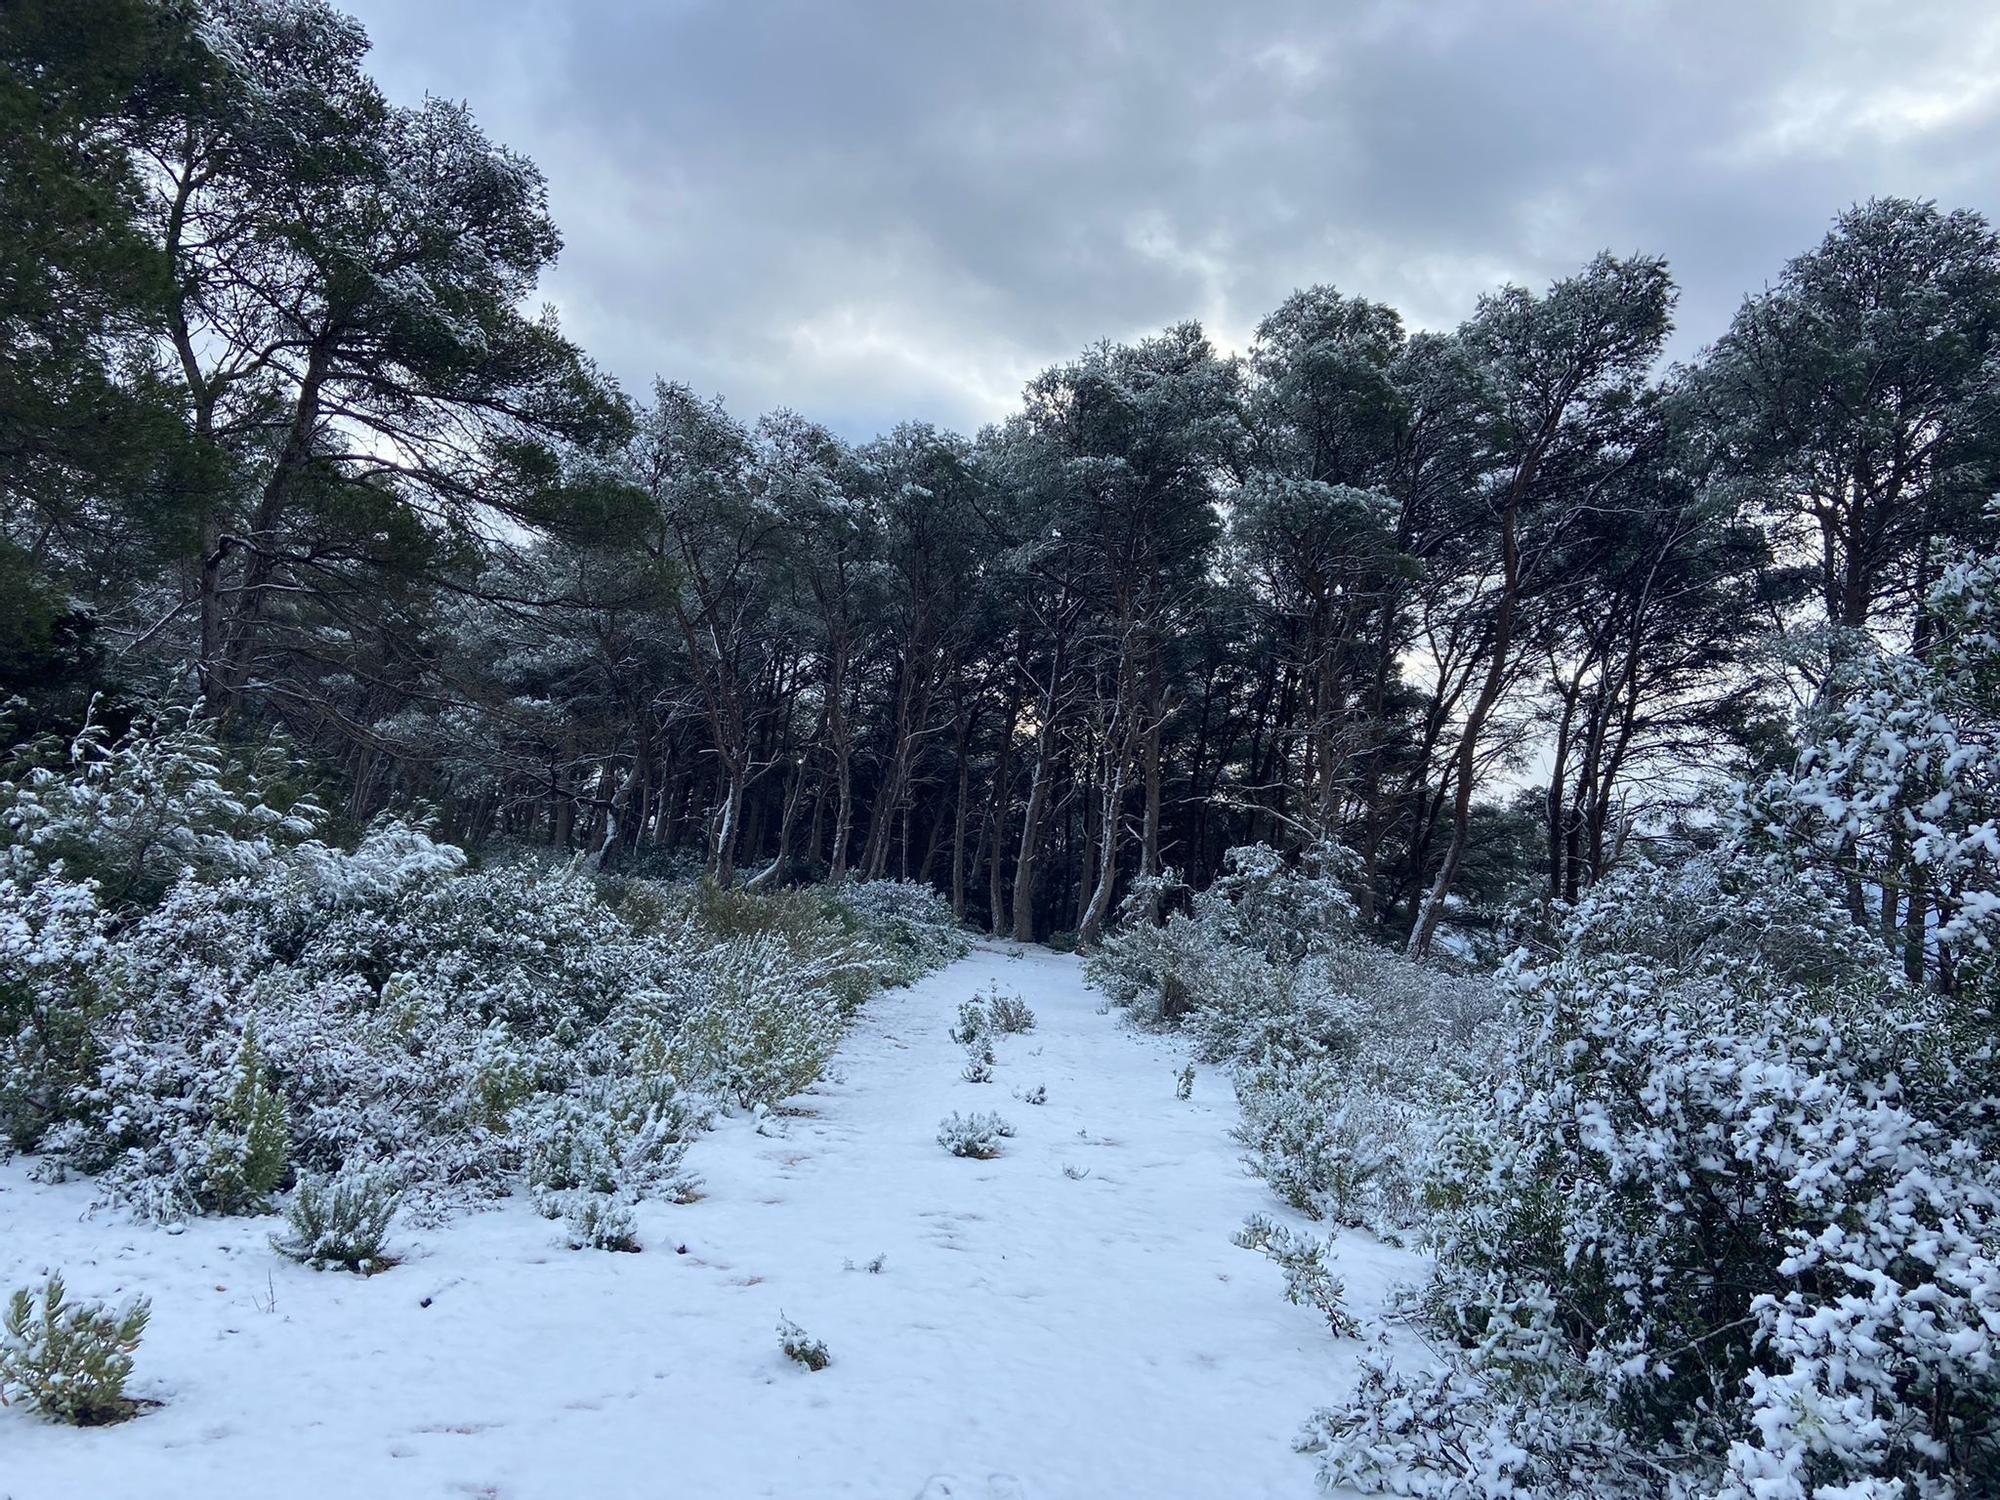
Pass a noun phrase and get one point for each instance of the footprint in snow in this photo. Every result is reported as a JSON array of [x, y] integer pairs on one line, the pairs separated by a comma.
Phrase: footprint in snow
[[952, 1487]]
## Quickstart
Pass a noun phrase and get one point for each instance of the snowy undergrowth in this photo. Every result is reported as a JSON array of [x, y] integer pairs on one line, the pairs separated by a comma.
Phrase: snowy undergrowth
[[1711, 1186], [200, 999], [1030, 1332]]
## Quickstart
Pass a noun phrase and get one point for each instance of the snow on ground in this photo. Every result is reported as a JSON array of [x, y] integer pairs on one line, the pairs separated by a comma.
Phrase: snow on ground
[[1030, 1335]]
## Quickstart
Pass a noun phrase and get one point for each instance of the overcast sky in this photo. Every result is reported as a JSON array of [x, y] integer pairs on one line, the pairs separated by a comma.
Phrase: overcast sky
[[872, 212]]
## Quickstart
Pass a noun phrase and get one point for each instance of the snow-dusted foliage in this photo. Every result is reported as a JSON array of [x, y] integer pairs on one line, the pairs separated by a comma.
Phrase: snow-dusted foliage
[[1259, 914], [1703, 1225], [342, 1223], [258, 1003], [909, 921], [977, 1135], [135, 812], [68, 1360], [600, 1221], [1309, 1280], [1344, 1056], [1713, 1184], [1729, 1225], [801, 1348]]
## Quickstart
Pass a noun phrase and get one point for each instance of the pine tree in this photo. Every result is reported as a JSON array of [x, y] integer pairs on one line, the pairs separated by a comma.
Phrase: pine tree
[[249, 1143]]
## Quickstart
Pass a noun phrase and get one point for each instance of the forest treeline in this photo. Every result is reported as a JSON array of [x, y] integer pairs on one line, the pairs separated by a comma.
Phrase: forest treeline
[[283, 436]]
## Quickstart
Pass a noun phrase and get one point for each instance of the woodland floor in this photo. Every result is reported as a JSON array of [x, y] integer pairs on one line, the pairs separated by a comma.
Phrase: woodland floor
[[1031, 1334]]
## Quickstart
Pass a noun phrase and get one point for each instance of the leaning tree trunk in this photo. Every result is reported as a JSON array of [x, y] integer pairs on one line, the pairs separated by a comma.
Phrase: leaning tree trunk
[[1425, 927]]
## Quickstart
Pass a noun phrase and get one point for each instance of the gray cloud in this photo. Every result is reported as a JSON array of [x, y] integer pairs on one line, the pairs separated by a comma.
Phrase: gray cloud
[[877, 211]]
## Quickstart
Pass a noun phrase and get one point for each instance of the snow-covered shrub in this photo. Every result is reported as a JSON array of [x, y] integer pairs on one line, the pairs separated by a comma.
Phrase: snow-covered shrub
[[599, 1221], [1345, 1064], [1704, 1217], [1328, 1145], [979, 1062], [1444, 1435], [610, 1134], [342, 1222], [1009, 1014], [977, 1135], [136, 812], [809, 928], [1260, 914], [1309, 1280], [973, 1024], [52, 941], [766, 1025], [384, 1003], [980, 1020], [800, 1347], [1345, 1056], [66, 1360], [249, 1144], [909, 921]]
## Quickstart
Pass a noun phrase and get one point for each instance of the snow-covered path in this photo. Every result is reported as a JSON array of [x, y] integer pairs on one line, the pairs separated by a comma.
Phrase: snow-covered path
[[1030, 1334]]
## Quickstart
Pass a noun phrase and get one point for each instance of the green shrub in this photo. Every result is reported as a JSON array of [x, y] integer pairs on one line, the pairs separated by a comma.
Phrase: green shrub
[[342, 1223], [1309, 1281], [69, 1362], [973, 1024], [249, 1144], [765, 1031], [975, 1135], [800, 1347], [599, 1221], [1009, 1014]]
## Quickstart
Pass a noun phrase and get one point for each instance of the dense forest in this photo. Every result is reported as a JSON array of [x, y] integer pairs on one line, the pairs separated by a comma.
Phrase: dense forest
[[1469, 610], [1547, 793]]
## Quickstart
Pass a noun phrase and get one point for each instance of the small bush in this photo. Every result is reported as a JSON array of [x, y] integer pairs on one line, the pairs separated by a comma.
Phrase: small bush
[[976, 1135], [1039, 1094], [974, 1025], [600, 1221], [342, 1222], [623, 1134], [979, 1063], [801, 1347], [1009, 1014], [249, 1144], [1184, 1083], [69, 1362]]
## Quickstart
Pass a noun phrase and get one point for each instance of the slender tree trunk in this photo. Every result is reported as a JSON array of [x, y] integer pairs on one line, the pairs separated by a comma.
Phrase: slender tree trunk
[[1499, 649]]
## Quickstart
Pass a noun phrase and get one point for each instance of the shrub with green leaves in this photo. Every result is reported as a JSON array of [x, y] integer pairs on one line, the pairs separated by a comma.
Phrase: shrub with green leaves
[[977, 1135], [979, 1062], [343, 1222], [1309, 1280], [610, 1134], [52, 945], [907, 921], [213, 997], [135, 812], [1009, 1015], [766, 1027], [599, 1221], [69, 1361], [249, 1144], [973, 1024], [800, 1347]]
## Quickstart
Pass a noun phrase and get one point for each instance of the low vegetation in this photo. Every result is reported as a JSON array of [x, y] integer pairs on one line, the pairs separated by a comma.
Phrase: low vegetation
[[207, 1000]]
